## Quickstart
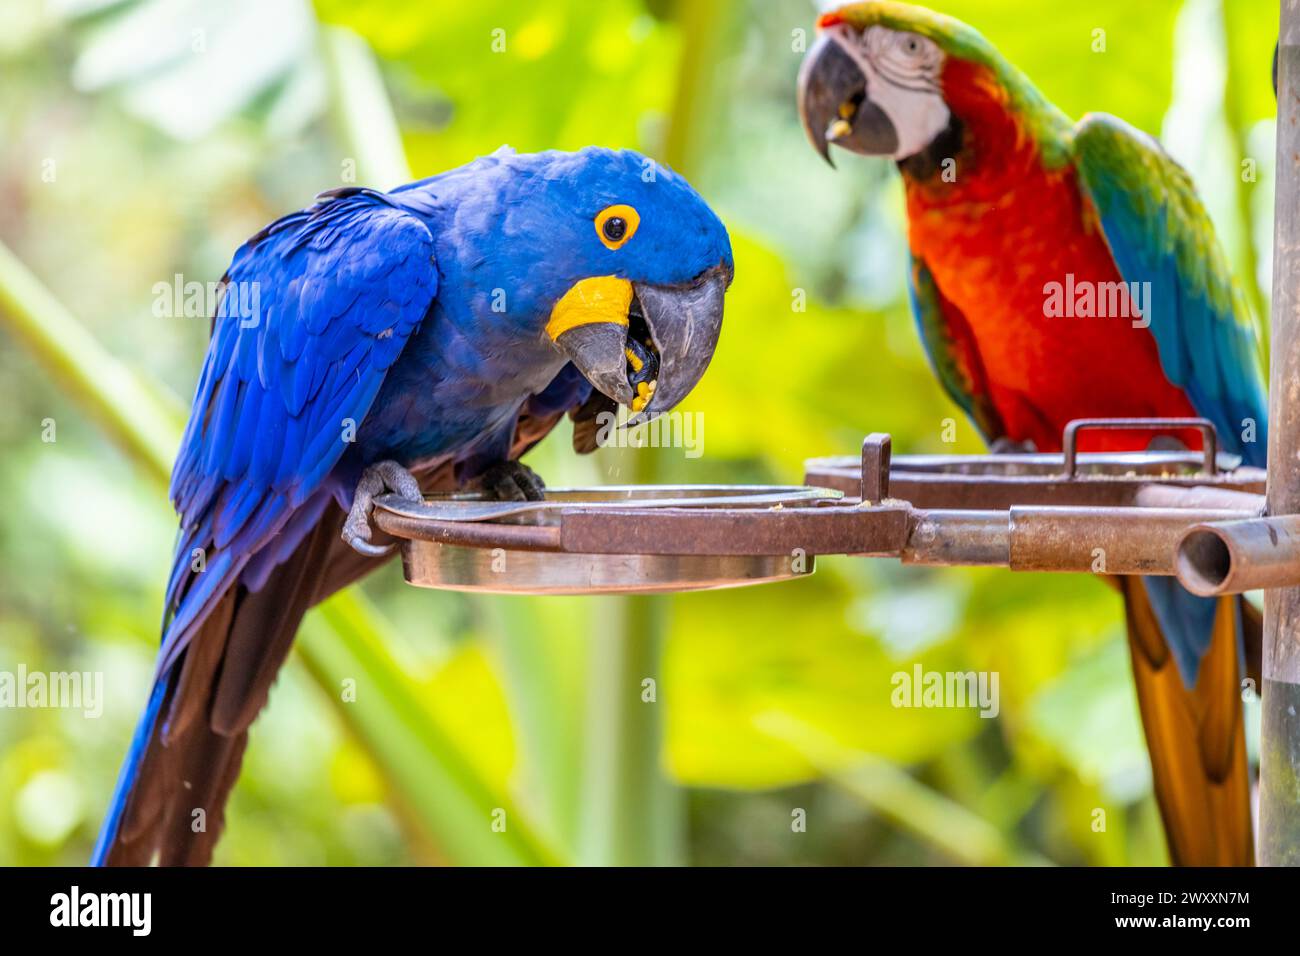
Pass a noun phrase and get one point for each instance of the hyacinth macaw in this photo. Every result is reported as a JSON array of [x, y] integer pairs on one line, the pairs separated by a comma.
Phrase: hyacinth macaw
[[1009, 203], [436, 331]]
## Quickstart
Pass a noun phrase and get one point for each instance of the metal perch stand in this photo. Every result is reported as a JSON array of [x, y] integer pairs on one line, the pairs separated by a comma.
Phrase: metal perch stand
[[1220, 528], [1279, 798], [1127, 513], [1196, 515]]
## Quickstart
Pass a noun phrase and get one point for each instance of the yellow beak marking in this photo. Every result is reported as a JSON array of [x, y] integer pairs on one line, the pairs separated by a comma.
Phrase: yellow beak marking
[[599, 299]]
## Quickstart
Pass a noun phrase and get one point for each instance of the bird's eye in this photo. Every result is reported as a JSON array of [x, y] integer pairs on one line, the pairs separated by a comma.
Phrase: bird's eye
[[615, 225], [910, 45]]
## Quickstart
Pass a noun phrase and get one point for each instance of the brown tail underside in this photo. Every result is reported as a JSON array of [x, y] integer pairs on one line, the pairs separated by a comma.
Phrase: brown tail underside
[[178, 806], [1196, 737]]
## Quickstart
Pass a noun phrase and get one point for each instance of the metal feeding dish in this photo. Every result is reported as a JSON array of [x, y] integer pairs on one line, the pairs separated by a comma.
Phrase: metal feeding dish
[[1067, 478], [608, 540]]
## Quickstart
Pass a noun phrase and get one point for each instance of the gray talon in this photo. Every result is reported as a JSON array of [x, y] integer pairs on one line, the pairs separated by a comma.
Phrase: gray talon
[[380, 477], [1007, 446], [513, 481], [369, 550]]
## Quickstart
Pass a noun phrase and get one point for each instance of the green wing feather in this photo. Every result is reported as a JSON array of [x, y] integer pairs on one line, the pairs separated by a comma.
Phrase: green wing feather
[[951, 348]]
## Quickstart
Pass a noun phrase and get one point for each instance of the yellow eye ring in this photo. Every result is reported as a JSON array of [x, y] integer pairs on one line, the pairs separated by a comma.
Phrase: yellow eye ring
[[615, 225]]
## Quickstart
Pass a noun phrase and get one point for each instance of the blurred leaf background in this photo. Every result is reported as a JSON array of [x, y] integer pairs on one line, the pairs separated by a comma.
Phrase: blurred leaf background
[[144, 139]]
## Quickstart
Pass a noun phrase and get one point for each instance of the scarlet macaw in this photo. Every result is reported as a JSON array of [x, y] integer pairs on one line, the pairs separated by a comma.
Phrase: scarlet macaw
[[1010, 204], [444, 326]]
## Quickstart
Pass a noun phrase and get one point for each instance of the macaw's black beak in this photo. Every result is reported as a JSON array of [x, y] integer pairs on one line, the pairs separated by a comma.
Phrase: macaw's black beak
[[644, 346], [678, 328], [835, 107]]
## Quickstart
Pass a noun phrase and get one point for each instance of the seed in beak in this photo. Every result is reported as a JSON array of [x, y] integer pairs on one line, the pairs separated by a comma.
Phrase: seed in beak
[[645, 391]]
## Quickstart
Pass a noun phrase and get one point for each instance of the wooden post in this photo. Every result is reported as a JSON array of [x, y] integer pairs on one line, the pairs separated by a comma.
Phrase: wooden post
[[1279, 797]]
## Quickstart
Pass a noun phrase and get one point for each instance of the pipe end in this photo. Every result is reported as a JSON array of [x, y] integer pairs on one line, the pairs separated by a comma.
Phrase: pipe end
[[1203, 562]]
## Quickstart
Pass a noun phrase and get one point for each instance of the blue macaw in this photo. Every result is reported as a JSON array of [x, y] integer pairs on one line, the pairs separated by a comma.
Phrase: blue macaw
[[442, 327]]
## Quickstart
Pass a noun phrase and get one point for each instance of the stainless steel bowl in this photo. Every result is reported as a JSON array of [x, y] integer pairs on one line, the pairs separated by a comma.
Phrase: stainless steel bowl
[[466, 542]]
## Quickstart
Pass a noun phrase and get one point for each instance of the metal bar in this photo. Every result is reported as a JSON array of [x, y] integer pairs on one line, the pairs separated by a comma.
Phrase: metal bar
[[1102, 540], [958, 538], [1087, 540], [1230, 557], [736, 531], [474, 534], [1201, 497], [960, 492], [1112, 540], [1159, 463], [1279, 787]]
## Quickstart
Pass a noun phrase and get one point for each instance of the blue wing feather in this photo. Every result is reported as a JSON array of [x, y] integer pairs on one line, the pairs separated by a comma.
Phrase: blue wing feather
[[342, 287]]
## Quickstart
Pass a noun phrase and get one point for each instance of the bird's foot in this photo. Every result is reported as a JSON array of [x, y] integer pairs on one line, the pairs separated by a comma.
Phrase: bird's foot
[[379, 478], [1007, 446], [512, 481], [1166, 443]]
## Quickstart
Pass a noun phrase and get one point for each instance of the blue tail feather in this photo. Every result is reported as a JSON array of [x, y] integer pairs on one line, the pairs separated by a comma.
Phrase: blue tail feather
[[126, 778]]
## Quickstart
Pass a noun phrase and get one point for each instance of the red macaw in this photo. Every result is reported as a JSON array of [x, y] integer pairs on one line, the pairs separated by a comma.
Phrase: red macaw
[[1065, 270]]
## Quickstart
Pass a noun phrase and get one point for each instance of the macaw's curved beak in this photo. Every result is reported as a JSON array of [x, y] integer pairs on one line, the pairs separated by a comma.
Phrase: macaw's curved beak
[[835, 106], [644, 346]]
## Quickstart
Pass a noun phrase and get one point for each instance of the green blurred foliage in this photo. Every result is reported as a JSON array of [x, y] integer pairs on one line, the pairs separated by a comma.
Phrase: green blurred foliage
[[774, 698]]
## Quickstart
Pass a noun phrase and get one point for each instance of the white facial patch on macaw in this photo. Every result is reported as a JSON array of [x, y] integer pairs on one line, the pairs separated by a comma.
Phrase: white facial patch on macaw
[[903, 78]]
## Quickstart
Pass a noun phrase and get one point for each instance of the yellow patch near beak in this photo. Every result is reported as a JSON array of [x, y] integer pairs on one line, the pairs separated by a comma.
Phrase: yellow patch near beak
[[599, 299]]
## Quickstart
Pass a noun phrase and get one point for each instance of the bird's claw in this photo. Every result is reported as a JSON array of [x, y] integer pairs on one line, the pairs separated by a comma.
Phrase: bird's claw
[[1008, 446], [379, 478], [513, 481]]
